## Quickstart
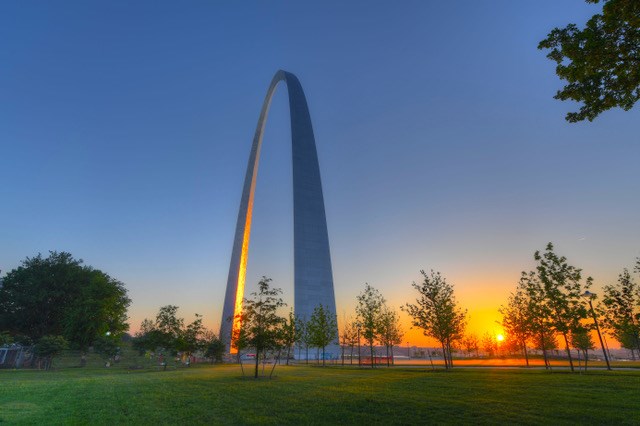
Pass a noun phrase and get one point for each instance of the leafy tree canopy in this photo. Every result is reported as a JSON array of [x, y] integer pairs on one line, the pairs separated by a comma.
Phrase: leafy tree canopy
[[369, 311], [601, 62], [621, 306], [48, 347], [59, 296], [214, 349], [323, 328], [436, 312], [169, 333], [260, 325], [290, 332]]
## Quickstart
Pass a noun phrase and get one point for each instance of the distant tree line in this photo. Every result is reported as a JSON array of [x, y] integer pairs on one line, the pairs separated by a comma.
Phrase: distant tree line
[[169, 336]]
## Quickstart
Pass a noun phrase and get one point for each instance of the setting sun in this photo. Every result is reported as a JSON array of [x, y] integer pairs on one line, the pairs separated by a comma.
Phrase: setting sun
[[499, 337]]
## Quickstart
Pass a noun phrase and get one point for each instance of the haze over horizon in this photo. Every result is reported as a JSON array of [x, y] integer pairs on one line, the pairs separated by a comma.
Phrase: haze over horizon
[[125, 131]]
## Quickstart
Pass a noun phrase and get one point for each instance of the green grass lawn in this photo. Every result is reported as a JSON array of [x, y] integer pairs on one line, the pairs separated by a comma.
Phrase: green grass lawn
[[314, 395]]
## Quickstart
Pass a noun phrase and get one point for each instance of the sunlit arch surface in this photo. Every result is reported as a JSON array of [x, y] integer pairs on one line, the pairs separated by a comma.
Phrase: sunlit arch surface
[[313, 278]]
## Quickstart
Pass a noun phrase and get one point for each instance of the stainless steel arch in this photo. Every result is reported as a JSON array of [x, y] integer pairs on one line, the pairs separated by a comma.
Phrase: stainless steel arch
[[313, 277]]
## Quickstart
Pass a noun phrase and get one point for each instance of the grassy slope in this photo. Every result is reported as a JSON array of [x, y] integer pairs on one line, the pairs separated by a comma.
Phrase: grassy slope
[[312, 395]]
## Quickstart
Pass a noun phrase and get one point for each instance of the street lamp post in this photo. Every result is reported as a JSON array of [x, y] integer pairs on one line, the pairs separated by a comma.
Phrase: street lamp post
[[590, 297]]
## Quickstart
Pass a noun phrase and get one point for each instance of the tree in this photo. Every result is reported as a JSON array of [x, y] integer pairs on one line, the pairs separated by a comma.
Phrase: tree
[[471, 344], [239, 336], [260, 322], [510, 345], [168, 334], [214, 349], [538, 312], [621, 306], [562, 291], [437, 313], [489, 344], [628, 341], [516, 320], [368, 311], [5, 339], [147, 338], [322, 328], [101, 308], [348, 337], [582, 341], [162, 334], [47, 348], [108, 347], [58, 296], [192, 338], [168, 323], [391, 333], [302, 338], [545, 342], [290, 330], [601, 62]]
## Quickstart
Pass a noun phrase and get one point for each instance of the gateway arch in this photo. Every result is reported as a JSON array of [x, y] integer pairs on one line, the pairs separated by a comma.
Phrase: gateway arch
[[313, 277]]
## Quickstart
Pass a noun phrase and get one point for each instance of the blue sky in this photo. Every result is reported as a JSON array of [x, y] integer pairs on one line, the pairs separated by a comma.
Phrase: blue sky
[[125, 129]]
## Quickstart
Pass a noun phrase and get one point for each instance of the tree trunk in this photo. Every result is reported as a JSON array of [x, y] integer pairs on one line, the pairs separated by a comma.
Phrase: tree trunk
[[444, 355], [566, 346], [240, 362], [372, 357], [255, 376], [352, 347], [388, 363], [323, 356], [288, 353], [430, 359], [307, 356], [547, 366], [586, 359], [274, 363], [393, 362], [526, 354]]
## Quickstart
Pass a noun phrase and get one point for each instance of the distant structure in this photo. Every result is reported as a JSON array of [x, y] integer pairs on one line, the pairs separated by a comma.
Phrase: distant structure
[[313, 277]]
